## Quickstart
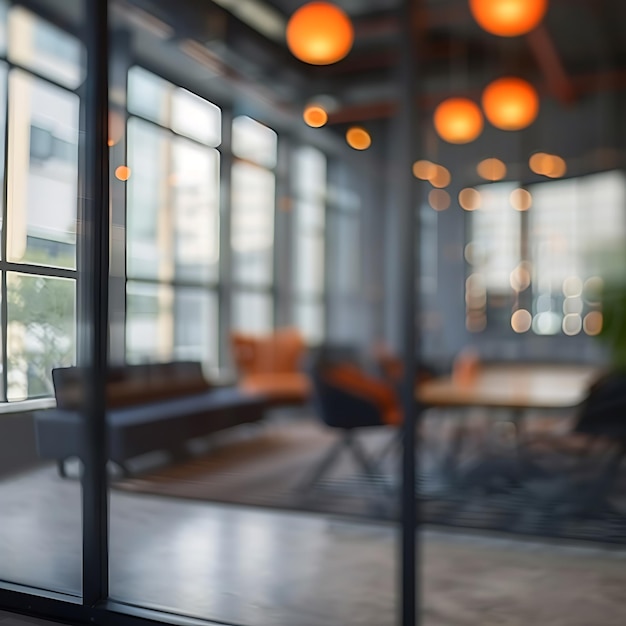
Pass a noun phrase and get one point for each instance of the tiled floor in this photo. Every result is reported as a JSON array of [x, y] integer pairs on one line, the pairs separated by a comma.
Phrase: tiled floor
[[267, 568]]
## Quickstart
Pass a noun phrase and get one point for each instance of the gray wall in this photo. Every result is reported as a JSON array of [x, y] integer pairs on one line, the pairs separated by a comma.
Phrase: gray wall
[[17, 443]]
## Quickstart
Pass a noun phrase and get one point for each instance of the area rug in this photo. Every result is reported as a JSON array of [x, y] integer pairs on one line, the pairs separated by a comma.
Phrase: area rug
[[266, 465]]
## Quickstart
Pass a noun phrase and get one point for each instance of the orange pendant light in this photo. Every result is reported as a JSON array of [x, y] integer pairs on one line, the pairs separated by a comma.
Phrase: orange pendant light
[[458, 120], [510, 103], [508, 18], [320, 33]]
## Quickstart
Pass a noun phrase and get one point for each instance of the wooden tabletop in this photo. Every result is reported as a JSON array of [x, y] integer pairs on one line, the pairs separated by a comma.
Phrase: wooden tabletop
[[512, 386]]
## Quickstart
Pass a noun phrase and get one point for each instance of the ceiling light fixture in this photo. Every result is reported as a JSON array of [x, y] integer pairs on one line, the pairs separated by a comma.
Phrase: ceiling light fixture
[[458, 120], [320, 33], [510, 103], [508, 18]]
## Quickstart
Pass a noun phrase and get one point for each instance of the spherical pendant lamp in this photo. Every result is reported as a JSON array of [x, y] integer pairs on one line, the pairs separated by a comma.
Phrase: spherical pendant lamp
[[510, 103], [458, 120], [508, 18], [320, 33]]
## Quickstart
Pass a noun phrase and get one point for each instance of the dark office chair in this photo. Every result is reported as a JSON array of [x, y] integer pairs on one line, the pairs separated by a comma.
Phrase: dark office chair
[[347, 398], [601, 425]]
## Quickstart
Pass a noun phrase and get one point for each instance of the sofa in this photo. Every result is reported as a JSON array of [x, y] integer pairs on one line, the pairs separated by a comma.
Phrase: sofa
[[151, 407]]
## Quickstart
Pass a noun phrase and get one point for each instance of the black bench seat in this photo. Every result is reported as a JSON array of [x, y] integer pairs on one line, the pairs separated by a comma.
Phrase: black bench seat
[[164, 424]]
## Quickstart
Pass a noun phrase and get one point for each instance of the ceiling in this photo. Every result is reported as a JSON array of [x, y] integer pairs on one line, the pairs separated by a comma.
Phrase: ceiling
[[579, 48]]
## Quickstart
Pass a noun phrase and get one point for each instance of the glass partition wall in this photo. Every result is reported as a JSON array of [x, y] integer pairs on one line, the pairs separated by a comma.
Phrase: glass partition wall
[[214, 216], [194, 285], [42, 100]]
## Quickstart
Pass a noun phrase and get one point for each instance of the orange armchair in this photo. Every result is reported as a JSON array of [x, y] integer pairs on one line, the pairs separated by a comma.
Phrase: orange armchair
[[270, 365]]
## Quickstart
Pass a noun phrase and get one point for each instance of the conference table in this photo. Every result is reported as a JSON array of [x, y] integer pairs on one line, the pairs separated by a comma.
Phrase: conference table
[[515, 389], [511, 386]]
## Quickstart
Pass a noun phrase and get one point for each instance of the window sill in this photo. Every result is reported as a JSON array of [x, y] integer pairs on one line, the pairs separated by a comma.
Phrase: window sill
[[25, 406]]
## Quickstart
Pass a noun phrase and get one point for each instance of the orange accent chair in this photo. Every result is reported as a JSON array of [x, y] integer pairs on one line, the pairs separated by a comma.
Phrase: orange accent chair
[[270, 365]]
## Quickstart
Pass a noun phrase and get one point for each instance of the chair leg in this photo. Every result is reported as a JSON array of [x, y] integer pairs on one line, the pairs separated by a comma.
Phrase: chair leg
[[365, 463], [327, 461], [390, 446]]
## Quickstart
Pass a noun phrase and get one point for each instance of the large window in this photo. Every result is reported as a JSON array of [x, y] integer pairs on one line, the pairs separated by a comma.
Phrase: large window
[[309, 230], [38, 268], [532, 253], [253, 202], [172, 223]]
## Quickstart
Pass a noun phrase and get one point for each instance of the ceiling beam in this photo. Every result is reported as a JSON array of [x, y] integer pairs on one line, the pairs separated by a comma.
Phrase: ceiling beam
[[549, 62], [609, 80]]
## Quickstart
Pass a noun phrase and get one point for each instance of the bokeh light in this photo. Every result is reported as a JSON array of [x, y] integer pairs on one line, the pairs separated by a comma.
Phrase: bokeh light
[[439, 199], [315, 116], [547, 323], [573, 305], [520, 278], [539, 162], [424, 170], [557, 167], [441, 177], [122, 172], [592, 324], [521, 199], [521, 321], [469, 199], [572, 324], [358, 138], [592, 289], [547, 165], [572, 287], [491, 169]]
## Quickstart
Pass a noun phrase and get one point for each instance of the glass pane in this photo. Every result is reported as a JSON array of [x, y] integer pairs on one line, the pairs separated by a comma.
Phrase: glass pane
[[252, 312], [196, 331], [149, 95], [43, 172], [40, 514], [254, 141], [40, 46], [309, 173], [196, 207], [309, 317], [148, 216], [309, 256], [252, 225], [571, 222], [195, 117], [41, 332], [310, 215], [496, 232], [149, 322]]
